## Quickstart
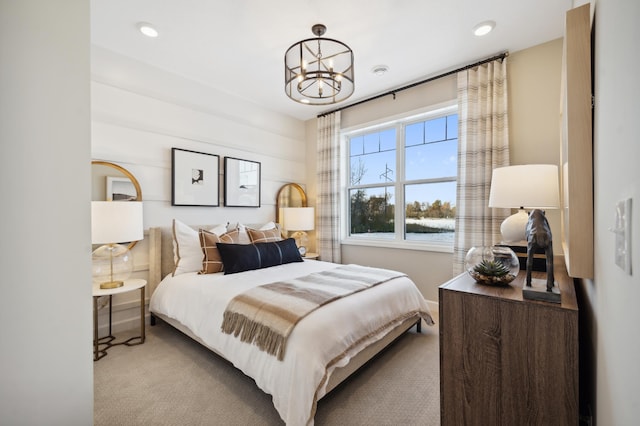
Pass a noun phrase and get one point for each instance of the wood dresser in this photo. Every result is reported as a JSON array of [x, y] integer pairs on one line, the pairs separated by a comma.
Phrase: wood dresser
[[505, 360]]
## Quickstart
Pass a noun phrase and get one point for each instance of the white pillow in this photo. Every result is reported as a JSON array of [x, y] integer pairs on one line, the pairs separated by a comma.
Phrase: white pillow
[[187, 253]]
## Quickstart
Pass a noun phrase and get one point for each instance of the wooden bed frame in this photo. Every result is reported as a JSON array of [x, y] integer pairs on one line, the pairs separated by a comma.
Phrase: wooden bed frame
[[161, 263]]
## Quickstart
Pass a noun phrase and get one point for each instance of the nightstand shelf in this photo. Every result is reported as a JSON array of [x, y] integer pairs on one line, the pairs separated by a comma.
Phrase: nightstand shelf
[[102, 344], [505, 360]]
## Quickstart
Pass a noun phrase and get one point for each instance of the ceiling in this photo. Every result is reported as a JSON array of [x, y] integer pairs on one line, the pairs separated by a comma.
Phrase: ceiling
[[238, 46]]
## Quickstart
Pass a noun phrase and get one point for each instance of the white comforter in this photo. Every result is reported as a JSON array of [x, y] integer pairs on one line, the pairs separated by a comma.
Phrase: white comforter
[[326, 339]]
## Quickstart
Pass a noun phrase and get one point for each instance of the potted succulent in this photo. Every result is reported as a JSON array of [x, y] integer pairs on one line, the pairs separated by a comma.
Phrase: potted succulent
[[492, 265]]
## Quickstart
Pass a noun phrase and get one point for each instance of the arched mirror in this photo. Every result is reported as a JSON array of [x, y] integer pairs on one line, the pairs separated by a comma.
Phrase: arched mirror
[[111, 182], [290, 195]]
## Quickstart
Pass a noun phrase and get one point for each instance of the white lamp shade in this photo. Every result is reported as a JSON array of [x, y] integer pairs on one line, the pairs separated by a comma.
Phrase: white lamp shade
[[298, 218], [532, 186], [116, 222]]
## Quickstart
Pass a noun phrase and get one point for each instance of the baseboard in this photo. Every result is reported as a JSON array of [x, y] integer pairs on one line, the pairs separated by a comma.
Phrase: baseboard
[[434, 307]]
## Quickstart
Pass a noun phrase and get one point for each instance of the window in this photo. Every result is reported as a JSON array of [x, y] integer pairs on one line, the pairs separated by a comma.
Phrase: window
[[411, 163]]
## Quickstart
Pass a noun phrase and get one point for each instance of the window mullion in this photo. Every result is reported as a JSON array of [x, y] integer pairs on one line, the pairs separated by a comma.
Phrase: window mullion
[[399, 184]]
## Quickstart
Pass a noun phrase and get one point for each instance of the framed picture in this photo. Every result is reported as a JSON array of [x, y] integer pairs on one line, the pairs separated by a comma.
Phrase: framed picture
[[241, 183], [120, 189], [194, 178]]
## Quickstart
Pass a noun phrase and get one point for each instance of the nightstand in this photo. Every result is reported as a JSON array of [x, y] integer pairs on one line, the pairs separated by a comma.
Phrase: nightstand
[[102, 344], [505, 360], [311, 256]]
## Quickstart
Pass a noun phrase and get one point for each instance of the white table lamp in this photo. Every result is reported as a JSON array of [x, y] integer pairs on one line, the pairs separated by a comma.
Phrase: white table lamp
[[299, 220], [114, 222], [531, 186]]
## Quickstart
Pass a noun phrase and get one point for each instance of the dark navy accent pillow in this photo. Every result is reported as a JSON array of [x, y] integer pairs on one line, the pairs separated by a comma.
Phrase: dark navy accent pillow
[[246, 257]]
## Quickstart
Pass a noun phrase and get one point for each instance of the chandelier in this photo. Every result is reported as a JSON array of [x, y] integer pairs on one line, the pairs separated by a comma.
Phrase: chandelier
[[318, 71]]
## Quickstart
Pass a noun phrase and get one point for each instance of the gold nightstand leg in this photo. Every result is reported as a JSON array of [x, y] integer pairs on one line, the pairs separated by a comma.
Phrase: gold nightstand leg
[[95, 329], [142, 334], [98, 341], [102, 344]]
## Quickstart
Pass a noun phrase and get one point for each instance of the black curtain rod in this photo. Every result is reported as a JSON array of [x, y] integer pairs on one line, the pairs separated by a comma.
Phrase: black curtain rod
[[409, 86]]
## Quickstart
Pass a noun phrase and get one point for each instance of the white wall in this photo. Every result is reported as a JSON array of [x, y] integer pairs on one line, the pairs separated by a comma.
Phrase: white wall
[[139, 112], [46, 363], [534, 107], [613, 294]]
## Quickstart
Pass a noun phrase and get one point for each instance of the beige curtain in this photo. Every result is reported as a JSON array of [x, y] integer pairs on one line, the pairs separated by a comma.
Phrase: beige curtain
[[483, 137], [328, 198]]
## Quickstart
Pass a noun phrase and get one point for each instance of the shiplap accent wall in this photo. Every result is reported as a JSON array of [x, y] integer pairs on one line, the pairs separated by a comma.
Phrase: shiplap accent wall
[[139, 112]]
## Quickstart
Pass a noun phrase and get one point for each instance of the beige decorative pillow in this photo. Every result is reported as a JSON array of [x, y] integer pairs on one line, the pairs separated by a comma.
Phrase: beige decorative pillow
[[264, 235], [244, 236], [187, 253], [212, 262]]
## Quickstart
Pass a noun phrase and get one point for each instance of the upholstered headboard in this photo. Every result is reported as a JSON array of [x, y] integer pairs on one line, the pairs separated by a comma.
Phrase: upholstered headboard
[[161, 261]]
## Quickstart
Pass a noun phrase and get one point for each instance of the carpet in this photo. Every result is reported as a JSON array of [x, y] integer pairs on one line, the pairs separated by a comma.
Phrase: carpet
[[172, 380]]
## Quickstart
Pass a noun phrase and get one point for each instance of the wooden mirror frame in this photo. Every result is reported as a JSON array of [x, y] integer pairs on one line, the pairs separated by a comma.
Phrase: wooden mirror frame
[[281, 201], [128, 175]]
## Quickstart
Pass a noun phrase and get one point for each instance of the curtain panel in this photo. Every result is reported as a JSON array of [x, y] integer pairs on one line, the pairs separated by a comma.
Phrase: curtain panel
[[483, 137], [328, 198]]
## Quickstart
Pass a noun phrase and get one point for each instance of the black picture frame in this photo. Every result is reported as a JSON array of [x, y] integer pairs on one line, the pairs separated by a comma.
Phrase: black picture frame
[[195, 178], [241, 182]]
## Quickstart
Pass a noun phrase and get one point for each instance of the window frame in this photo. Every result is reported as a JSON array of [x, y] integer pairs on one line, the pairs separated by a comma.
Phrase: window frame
[[398, 122]]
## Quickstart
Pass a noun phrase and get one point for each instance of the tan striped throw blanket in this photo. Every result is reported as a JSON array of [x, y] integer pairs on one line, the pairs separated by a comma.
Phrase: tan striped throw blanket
[[266, 315]]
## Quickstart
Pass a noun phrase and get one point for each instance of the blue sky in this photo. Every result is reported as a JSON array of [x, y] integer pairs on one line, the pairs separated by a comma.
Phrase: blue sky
[[429, 154]]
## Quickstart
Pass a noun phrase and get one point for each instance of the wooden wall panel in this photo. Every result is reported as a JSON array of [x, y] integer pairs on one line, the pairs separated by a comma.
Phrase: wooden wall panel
[[577, 145]]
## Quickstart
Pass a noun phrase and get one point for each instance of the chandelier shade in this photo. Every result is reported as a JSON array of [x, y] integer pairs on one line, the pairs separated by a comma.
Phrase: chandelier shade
[[319, 71]]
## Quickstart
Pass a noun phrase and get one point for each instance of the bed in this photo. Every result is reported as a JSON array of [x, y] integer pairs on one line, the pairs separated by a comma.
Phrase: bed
[[323, 349]]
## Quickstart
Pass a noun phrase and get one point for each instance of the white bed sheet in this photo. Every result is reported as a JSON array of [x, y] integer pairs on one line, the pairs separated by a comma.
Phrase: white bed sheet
[[324, 340]]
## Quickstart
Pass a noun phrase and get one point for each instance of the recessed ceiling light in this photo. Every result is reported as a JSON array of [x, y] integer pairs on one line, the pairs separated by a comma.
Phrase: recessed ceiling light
[[147, 29], [483, 28], [379, 69]]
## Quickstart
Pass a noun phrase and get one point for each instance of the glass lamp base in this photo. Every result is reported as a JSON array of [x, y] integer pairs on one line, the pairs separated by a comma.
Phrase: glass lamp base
[[301, 238], [112, 264]]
